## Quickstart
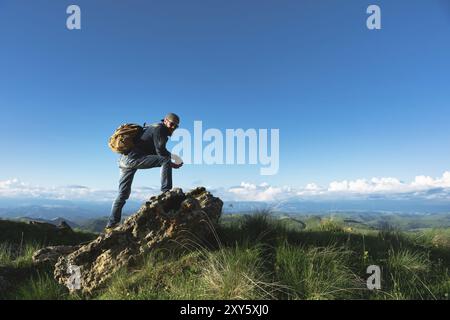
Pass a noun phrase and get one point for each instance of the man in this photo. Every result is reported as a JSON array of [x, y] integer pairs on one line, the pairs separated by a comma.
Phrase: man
[[149, 152]]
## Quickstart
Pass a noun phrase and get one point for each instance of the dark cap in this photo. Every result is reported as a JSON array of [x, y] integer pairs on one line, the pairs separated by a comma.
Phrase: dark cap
[[173, 117]]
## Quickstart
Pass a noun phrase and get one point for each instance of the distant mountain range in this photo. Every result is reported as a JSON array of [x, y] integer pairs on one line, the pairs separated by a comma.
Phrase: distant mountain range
[[376, 205], [94, 225], [56, 221], [80, 212], [77, 212]]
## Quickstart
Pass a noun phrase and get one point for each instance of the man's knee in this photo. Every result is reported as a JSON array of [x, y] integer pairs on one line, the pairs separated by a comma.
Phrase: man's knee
[[165, 160], [123, 196]]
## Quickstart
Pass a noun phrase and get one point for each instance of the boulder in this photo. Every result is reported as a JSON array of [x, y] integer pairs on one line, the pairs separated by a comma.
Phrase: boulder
[[165, 221], [50, 255]]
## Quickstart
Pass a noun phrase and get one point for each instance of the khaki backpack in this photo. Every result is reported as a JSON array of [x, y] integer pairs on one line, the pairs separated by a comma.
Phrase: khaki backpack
[[124, 138]]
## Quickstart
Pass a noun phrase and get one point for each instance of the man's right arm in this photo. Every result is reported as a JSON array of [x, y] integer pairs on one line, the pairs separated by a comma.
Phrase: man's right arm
[[160, 141]]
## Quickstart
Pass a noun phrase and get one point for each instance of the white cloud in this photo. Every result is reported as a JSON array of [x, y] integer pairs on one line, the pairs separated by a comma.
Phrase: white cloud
[[419, 187], [390, 185], [14, 188], [262, 192], [423, 182], [312, 187], [367, 186]]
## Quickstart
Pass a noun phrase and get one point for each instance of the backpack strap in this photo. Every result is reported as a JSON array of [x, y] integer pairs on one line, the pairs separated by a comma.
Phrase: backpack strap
[[145, 125]]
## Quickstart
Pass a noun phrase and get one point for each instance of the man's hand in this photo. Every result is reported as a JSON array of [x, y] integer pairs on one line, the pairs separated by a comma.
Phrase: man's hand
[[176, 166]]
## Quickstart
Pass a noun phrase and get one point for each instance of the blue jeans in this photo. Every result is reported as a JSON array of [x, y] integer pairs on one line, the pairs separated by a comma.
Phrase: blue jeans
[[128, 167]]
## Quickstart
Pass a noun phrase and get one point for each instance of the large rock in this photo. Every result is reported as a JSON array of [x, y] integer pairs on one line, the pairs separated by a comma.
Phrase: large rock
[[50, 255], [162, 222]]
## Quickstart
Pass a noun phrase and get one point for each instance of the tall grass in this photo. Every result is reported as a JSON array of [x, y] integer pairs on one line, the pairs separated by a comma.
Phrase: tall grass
[[162, 275], [257, 257], [258, 228], [42, 286], [437, 238], [236, 273], [316, 273], [6, 254], [18, 256], [407, 275], [331, 225], [227, 273]]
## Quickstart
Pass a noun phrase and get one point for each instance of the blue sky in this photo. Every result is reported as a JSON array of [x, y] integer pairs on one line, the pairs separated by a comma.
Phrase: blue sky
[[350, 103]]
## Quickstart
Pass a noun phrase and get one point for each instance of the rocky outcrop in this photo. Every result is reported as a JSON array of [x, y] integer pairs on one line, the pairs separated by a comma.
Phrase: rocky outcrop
[[50, 255], [164, 221]]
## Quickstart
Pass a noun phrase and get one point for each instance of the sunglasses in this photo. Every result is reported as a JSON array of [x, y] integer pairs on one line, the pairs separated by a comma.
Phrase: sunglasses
[[172, 124]]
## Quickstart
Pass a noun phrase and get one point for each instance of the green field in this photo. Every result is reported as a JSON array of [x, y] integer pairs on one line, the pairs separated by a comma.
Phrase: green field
[[259, 256]]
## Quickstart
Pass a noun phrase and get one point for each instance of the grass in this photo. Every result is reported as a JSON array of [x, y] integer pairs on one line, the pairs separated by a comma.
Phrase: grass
[[261, 257], [317, 273], [41, 286], [235, 273], [18, 242], [229, 273], [407, 274], [18, 256], [18, 233]]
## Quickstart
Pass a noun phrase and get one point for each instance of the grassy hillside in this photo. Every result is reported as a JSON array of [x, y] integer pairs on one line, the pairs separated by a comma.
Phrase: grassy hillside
[[16, 233], [18, 242], [261, 257]]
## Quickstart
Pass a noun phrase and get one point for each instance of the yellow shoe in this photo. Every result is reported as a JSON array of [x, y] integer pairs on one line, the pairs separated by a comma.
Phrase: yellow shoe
[[110, 228]]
